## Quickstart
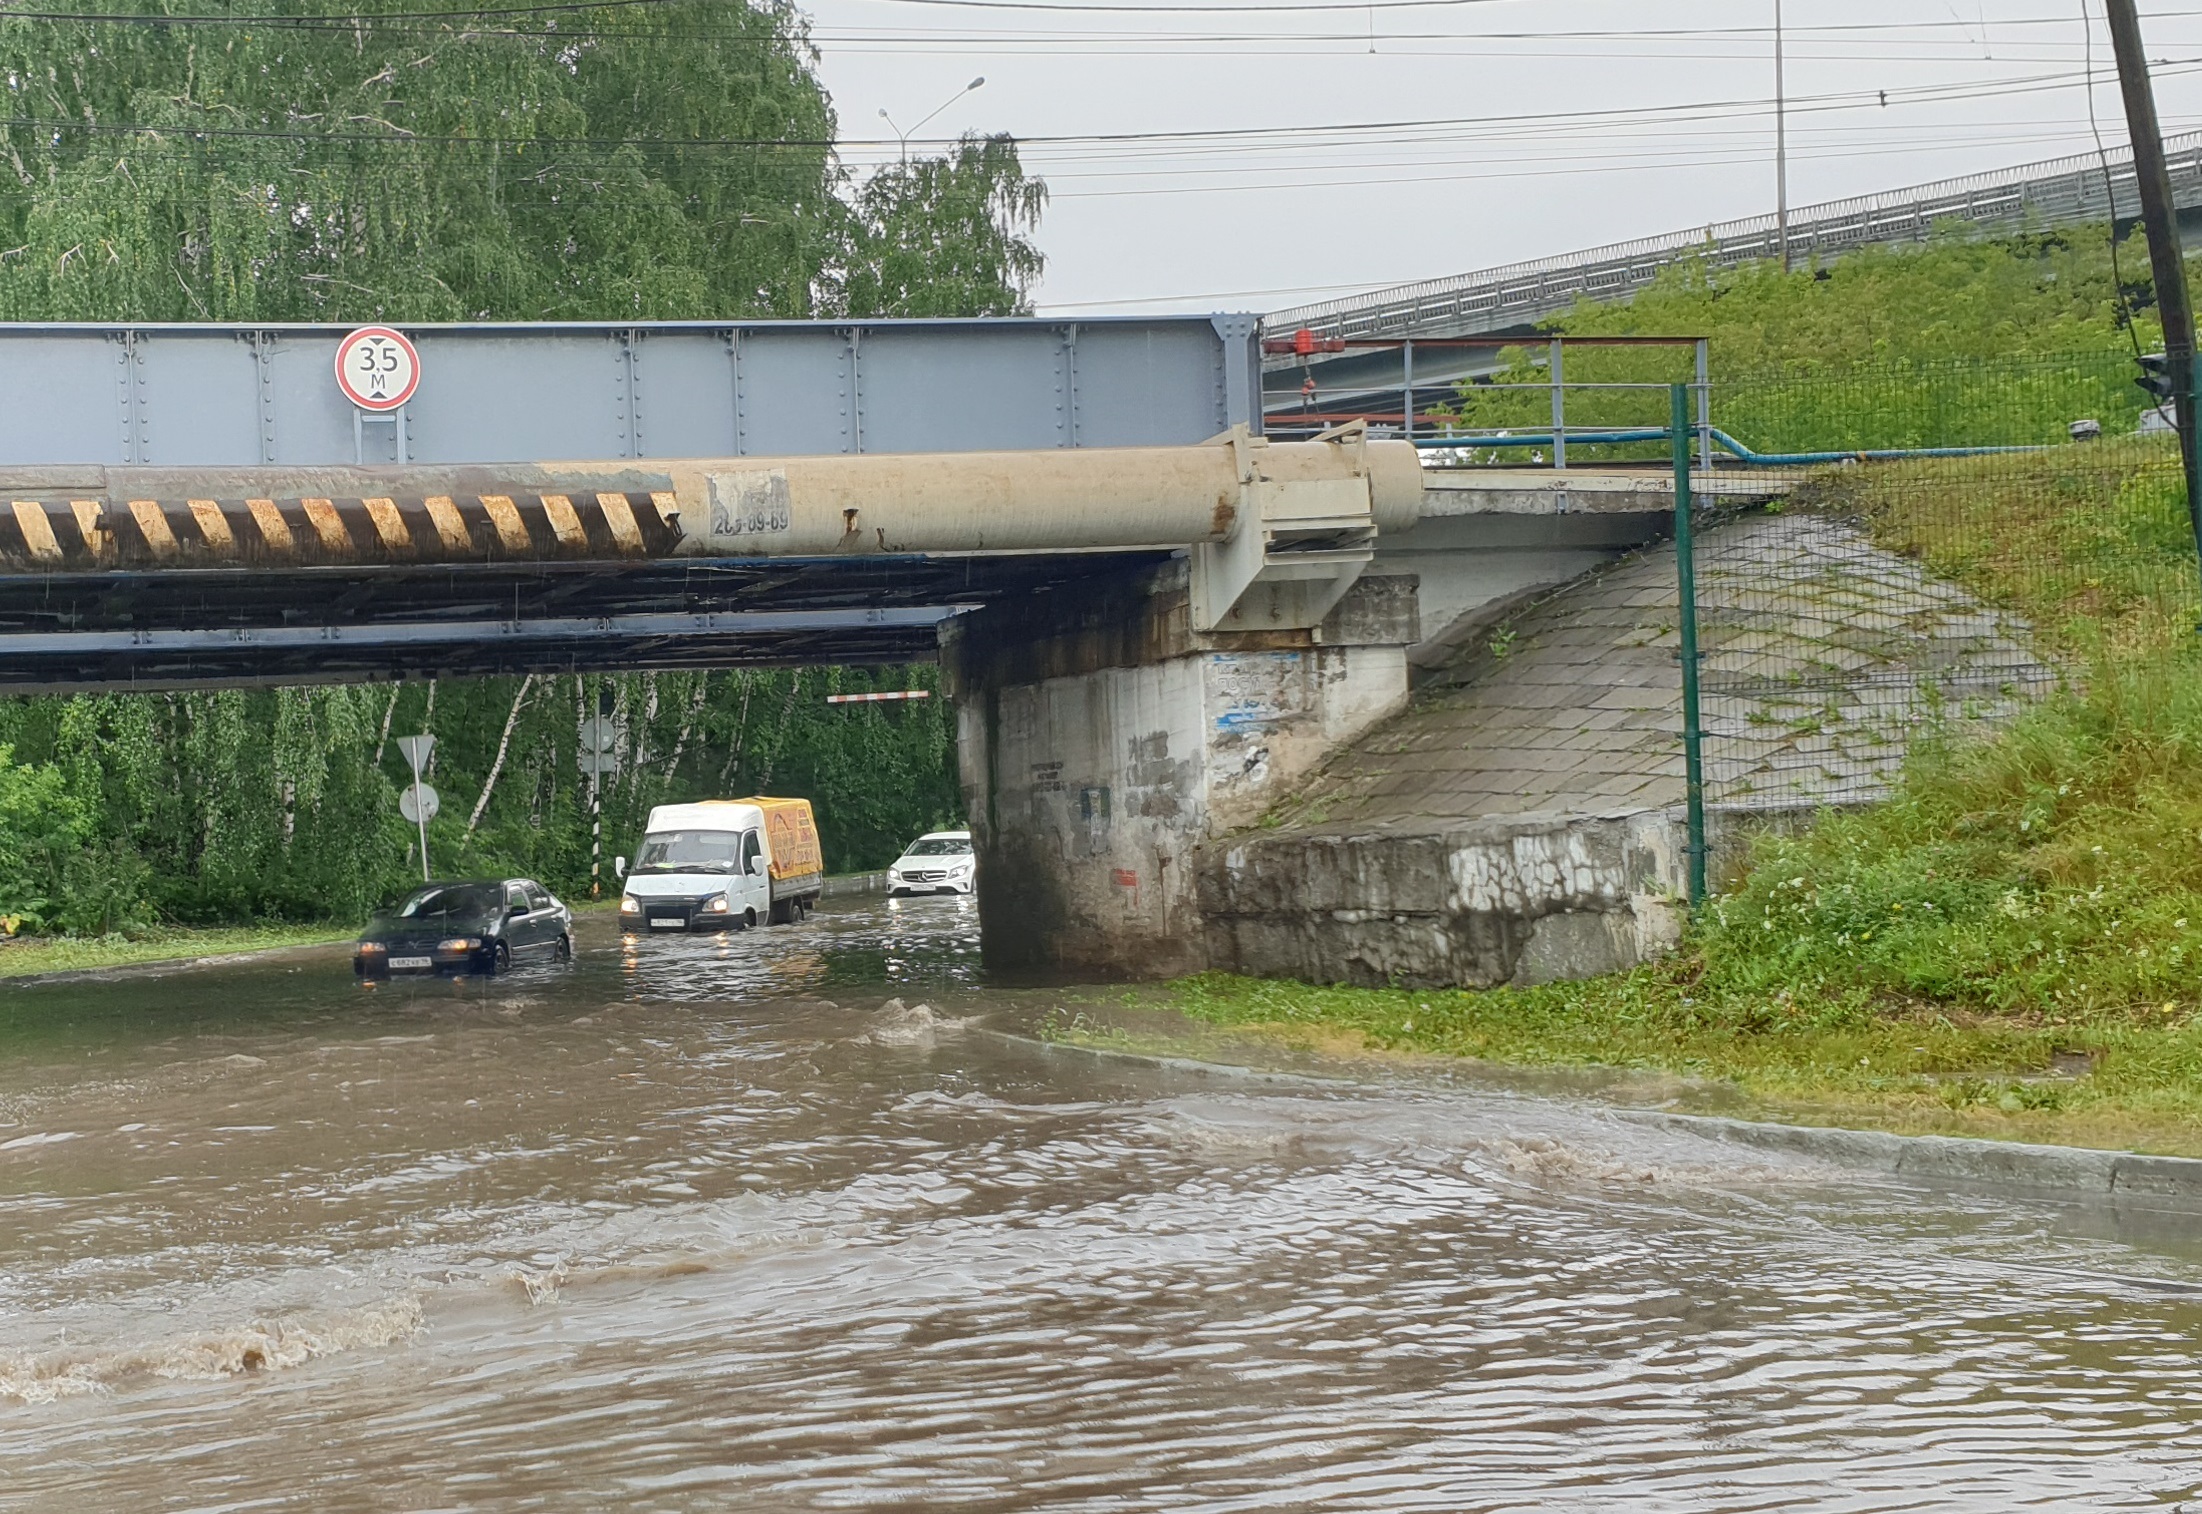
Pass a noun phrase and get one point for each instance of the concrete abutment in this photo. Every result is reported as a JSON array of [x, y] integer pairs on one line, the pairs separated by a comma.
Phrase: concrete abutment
[[1103, 742]]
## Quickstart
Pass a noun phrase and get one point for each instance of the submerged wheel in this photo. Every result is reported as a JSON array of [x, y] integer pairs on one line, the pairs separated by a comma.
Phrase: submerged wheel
[[565, 948], [500, 959], [781, 912]]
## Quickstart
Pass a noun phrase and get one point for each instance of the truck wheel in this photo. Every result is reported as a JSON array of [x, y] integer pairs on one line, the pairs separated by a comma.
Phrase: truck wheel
[[778, 914]]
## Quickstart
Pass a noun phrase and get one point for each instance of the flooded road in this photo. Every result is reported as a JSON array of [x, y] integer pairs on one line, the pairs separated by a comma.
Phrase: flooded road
[[694, 1226]]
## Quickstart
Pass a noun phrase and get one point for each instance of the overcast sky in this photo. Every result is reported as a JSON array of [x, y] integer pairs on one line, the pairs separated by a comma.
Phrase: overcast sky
[[1536, 126]]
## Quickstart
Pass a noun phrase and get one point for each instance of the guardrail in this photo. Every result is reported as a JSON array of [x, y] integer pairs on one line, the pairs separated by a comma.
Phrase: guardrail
[[2055, 192], [1407, 422]]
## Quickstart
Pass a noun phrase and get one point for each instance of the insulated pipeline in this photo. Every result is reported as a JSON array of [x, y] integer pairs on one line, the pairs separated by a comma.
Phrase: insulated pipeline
[[103, 518]]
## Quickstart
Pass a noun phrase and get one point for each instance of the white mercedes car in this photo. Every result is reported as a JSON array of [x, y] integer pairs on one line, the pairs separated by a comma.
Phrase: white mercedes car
[[939, 862]]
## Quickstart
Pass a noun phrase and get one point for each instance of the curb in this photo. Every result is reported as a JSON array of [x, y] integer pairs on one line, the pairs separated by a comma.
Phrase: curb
[[2118, 1176]]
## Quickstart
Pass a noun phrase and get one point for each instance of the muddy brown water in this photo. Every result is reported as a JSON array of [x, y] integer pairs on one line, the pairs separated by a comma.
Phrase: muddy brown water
[[692, 1225]]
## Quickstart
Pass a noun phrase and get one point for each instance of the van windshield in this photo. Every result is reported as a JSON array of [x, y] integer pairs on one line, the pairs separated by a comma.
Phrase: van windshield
[[689, 852]]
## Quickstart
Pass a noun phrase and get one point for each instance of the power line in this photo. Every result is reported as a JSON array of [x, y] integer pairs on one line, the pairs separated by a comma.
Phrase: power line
[[1695, 110]]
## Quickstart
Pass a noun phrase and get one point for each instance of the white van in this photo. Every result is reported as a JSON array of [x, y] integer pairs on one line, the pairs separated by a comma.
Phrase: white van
[[723, 864]]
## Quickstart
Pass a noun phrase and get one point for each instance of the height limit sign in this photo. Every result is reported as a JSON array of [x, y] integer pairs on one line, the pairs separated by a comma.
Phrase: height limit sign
[[377, 368]]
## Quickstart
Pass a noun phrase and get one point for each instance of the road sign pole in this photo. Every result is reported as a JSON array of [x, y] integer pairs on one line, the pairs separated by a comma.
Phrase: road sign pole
[[416, 750], [596, 830], [420, 810]]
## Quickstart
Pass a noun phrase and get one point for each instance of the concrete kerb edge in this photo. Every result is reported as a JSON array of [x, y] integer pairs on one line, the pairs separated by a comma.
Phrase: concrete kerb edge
[[2112, 1176]]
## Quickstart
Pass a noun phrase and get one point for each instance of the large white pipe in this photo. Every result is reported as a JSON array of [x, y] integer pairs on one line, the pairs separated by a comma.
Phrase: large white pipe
[[1066, 500], [94, 517]]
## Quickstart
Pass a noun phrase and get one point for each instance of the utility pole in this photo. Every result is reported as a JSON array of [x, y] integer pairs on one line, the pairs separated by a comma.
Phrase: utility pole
[[2167, 264], [1781, 142]]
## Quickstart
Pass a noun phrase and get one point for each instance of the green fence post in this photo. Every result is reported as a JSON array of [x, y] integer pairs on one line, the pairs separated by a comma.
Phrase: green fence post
[[1685, 572]]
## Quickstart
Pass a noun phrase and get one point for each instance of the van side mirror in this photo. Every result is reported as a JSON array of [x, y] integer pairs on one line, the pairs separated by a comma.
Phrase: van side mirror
[[619, 866]]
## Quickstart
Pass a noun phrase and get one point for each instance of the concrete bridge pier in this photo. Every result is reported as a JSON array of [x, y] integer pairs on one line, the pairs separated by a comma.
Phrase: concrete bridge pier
[[1104, 739]]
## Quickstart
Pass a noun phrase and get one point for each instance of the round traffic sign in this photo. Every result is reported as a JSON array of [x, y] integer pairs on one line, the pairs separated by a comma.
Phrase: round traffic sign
[[599, 734], [377, 368], [419, 802]]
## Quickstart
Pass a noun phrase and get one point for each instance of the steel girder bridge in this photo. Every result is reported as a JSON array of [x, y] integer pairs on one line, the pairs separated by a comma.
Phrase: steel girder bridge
[[201, 504]]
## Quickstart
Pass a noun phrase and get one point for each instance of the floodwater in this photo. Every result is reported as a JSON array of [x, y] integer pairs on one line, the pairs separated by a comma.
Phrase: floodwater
[[692, 1225]]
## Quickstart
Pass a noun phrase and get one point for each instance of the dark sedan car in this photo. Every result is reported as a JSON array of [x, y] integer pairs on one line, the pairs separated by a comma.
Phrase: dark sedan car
[[482, 926]]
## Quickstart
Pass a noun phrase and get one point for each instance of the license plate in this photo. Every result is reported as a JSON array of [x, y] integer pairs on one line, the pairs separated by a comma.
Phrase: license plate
[[668, 924], [412, 962]]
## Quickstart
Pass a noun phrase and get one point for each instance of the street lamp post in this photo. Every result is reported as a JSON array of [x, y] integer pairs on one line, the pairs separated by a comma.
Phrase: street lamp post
[[1781, 142], [904, 136]]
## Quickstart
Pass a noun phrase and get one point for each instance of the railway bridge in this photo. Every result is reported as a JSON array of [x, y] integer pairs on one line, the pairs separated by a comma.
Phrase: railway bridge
[[1156, 621]]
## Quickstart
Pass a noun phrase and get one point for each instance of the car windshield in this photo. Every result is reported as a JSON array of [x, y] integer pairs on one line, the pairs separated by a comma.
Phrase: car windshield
[[940, 846], [690, 852], [445, 901]]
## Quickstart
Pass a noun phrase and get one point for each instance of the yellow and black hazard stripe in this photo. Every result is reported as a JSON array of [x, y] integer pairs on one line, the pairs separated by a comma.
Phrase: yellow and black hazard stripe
[[47, 534]]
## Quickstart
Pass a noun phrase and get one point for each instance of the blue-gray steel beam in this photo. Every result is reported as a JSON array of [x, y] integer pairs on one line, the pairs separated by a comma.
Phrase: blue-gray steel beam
[[243, 396], [26, 644]]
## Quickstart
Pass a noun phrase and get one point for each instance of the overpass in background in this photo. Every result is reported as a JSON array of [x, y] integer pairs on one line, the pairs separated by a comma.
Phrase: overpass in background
[[1367, 356]]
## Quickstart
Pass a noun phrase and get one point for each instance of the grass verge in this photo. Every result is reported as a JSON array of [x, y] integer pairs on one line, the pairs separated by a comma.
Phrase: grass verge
[[1653, 1036], [28, 956]]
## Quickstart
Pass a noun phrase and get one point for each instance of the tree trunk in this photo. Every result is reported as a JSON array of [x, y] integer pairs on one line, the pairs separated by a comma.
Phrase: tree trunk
[[688, 724], [779, 737], [389, 713], [428, 728], [504, 745], [741, 729]]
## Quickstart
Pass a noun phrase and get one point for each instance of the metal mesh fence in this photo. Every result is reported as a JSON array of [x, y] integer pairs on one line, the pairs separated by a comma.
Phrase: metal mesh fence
[[1976, 549]]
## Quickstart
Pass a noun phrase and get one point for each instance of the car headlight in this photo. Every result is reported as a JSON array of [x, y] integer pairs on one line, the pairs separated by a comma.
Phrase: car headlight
[[715, 906], [459, 944], [372, 946], [628, 906]]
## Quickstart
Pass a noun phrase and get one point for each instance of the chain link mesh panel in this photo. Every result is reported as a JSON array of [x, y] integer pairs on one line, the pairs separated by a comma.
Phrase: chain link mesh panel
[[1848, 605]]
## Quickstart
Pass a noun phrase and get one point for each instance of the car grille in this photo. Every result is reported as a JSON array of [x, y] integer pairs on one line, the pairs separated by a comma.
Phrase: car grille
[[928, 875]]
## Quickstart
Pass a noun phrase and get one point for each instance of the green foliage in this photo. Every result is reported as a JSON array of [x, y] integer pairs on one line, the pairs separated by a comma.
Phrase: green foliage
[[229, 805], [1880, 349], [929, 244], [42, 828], [661, 161], [1958, 297], [337, 162], [2052, 873]]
